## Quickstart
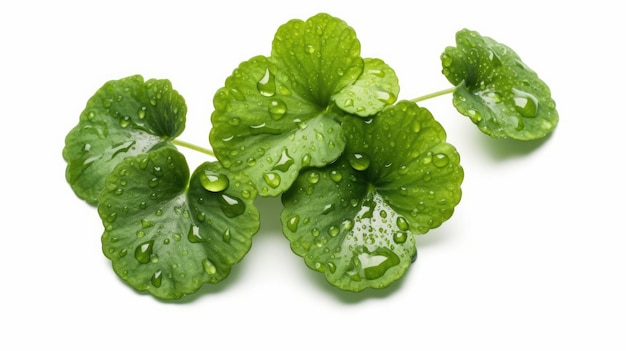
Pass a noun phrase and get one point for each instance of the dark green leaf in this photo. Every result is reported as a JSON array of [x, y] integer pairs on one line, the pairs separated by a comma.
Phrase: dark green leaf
[[501, 95], [354, 219], [276, 115], [167, 236], [125, 117]]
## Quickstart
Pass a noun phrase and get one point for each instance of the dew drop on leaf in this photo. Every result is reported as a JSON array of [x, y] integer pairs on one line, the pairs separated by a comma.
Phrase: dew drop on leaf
[[231, 206], [336, 176], [359, 162], [272, 179], [402, 223], [144, 251], [267, 84], [292, 223], [208, 266], [284, 162], [226, 236], [213, 182], [526, 104], [194, 234], [156, 279], [277, 109], [441, 160]]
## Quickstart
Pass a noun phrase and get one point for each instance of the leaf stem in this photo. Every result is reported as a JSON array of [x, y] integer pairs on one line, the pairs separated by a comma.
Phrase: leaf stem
[[434, 95], [193, 147]]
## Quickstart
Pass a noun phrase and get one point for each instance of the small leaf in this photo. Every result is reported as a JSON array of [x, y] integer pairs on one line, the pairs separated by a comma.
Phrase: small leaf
[[125, 117], [376, 88], [168, 235], [353, 220], [503, 96], [276, 115]]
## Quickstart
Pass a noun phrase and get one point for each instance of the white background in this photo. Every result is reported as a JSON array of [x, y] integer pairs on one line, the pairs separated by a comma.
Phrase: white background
[[533, 259]]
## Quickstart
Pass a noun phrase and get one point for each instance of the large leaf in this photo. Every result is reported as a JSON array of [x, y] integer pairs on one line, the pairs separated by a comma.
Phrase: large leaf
[[276, 115], [503, 96], [168, 235], [125, 117], [354, 219]]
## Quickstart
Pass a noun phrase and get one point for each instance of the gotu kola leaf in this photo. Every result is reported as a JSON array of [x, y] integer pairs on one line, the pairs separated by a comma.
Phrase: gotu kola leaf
[[123, 118], [354, 220], [168, 234], [503, 96], [276, 115]]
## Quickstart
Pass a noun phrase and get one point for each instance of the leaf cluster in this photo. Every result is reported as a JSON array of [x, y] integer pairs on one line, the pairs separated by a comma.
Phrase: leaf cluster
[[359, 172]]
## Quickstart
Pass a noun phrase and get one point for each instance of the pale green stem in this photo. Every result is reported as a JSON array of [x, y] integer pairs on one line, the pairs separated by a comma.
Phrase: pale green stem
[[193, 147], [435, 94]]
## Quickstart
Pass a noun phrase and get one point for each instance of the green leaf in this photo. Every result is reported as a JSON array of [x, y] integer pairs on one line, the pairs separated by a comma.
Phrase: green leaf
[[353, 220], [167, 234], [125, 117], [376, 88], [501, 95], [276, 115]]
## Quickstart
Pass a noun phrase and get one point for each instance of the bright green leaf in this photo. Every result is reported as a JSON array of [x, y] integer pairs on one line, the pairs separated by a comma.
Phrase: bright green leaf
[[125, 117], [168, 235], [376, 88], [276, 115], [354, 219], [496, 90]]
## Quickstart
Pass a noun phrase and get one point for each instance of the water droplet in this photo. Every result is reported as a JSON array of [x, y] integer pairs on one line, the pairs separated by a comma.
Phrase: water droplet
[[313, 177], [213, 182], [142, 112], [124, 121], [306, 160], [359, 162], [347, 225], [154, 182], [144, 251], [348, 103], [446, 60], [377, 72], [402, 223], [231, 206], [309, 49], [386, 97], [332, 268], [292, 223], [156, 279], [194, 234], [284, 162], [328, 208], [333, 231], [526, 104], [267, 84], [277, 109], [441, 160], [373, 264], [336, 176], [209, 267], [272, 179], [237, 94], [474, 115], [226, 236]]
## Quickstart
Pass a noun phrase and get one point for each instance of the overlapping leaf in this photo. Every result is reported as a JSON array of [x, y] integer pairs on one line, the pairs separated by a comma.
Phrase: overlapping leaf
[[501, 95], [125, 117], [354, 219], [276, 115], [168, 235]]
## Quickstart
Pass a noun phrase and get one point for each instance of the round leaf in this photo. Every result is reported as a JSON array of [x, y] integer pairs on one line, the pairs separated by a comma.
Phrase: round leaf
[[276, 115], [501, 95], [168, 235], [343, 228], [354, 219], [125, 117], [403, 152]]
